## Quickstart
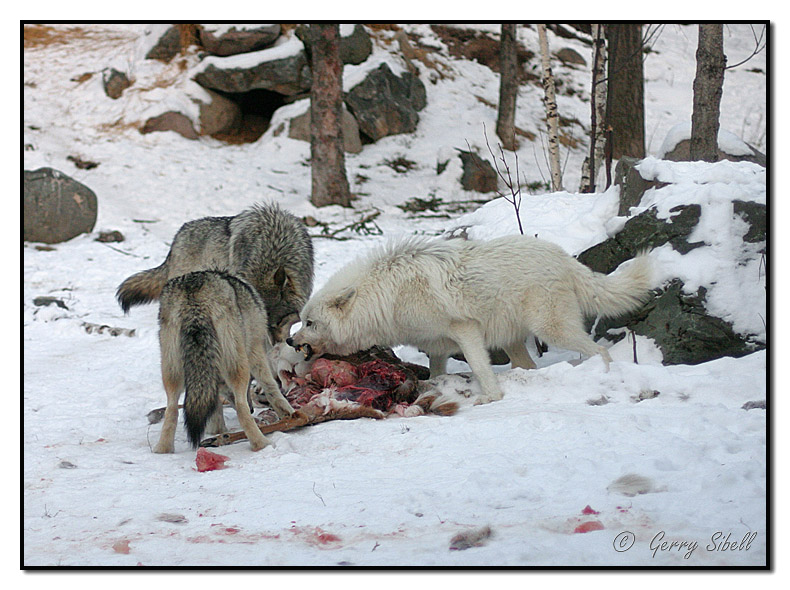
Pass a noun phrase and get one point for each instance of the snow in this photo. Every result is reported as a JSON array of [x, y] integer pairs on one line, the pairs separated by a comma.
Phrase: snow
[[392, 492]]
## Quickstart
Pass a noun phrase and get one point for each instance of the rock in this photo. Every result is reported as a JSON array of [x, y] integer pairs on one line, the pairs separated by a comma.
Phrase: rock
[[224, 41], [682, 153], [570, 56], [285, 70], [170, 121], [644, 231], [385, 104], [755, 214], [632, 185], [300, 129], [219, 114], [115, 82], [677, 146], [355, 45], [680, 325], [167, 46], [56, 207], [479, 175]]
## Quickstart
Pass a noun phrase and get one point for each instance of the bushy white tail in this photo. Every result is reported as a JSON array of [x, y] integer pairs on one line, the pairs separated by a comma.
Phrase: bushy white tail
[[615, 294]]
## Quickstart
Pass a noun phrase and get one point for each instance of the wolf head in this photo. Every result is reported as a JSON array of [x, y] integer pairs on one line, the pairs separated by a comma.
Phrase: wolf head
[[331, 324]]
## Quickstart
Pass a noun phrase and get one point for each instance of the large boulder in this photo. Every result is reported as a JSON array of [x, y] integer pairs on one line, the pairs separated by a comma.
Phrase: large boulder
[[385, 104], [165, 42], [283, 69], [299, 128], [644, 232], [355, 44], [677, 147], [224, 40], [678, 318], [56, 208], [218, 114], [632, 185], [681, 326], [478, 174], [170, 121]]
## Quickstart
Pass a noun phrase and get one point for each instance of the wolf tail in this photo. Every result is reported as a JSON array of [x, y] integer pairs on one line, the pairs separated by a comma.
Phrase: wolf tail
[[142, 287], [615, 294], [200, 350]]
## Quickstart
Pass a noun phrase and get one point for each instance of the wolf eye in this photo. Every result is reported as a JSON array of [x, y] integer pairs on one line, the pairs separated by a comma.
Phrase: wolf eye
[[308, 323]]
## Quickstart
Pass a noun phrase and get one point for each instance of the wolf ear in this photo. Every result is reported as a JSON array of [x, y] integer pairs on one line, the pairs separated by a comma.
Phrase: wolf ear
[[342, 301]]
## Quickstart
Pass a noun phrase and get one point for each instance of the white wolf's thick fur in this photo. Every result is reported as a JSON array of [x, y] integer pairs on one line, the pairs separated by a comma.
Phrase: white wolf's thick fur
[[446, 295]]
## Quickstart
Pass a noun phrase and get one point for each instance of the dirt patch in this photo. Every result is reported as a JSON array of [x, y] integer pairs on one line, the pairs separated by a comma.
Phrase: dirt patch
[[481, 47]]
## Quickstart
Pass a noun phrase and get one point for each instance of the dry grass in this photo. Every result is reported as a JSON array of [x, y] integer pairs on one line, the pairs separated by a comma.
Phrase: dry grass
[[41, 35]]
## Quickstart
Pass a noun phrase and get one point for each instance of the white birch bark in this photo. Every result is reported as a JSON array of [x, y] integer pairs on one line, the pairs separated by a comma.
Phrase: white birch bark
[[552, 116]]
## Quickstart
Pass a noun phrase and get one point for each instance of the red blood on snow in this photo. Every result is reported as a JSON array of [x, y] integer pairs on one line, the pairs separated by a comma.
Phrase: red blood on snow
[[588, 510], [586, 527]]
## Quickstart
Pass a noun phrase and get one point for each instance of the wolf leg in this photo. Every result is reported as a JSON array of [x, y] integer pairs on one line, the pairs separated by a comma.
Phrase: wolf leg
[[259, 365], [216, 424], [239, 381], [519, 355], [567, 331], [437, 364], [470, 338], [173, 388]]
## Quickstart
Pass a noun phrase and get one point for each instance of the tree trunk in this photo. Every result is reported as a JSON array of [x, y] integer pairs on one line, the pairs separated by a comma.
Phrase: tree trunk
[[708, 85], [552, 116], [597, 112], [508, 88], [328, 162], [625, 111]]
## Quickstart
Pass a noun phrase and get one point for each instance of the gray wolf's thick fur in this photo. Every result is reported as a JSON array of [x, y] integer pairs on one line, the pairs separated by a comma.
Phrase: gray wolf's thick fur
[[446, 295], [213, 336], [264, 245]]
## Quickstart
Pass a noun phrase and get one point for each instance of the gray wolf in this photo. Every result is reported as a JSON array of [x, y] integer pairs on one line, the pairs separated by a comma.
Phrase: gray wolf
[[446, 295], [213, 336], [264, 245]]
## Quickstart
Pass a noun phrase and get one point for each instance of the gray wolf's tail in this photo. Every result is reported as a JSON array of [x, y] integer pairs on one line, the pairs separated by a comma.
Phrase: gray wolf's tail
[[615, 294], [142, 287], [201, 354]]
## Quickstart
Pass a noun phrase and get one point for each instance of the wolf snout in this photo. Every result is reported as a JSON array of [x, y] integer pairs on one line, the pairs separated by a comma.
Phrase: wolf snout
[[290, 342], [305, 348]]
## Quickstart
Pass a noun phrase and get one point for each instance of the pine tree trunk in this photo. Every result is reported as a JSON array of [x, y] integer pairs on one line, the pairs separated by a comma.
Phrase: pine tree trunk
[[328, 162], [552, 116], [625, 111], [708, 85], [508, 87], [597, 111]]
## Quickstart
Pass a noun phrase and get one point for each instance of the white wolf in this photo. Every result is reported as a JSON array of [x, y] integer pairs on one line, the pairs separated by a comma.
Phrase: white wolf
[[446, 295]]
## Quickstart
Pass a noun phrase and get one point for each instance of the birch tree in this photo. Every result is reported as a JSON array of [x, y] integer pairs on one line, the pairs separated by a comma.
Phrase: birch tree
[[508, 87], [552, 116], [328, 161], [708, 84], [597, 111]]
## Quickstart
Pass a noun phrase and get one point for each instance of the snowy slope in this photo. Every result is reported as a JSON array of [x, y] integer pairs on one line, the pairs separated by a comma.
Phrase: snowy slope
[[392, 492]]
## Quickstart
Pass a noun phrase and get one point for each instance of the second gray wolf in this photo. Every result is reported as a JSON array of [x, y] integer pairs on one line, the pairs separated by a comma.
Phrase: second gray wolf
[[264, 245], [446, 295], [213, 336]]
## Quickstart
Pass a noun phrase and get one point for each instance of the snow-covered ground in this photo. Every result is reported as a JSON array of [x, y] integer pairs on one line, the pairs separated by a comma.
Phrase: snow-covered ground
[[392, 492]]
